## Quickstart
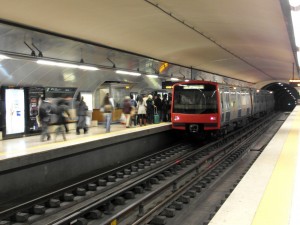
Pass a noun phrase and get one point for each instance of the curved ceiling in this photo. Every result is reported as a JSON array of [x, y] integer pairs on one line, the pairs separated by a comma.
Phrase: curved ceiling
[[245, 40]]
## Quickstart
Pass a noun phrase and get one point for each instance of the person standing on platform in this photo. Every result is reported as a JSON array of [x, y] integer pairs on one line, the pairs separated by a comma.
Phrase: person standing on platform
[[141, 111], [81, 110], [150, 109], [133, 110], [44, 118], [158, 104], [164, 108], [107, 112], [169, 106], [127, 110]]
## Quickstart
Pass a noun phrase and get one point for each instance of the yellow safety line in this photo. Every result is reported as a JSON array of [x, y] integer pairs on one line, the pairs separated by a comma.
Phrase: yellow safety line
[[275, 206]]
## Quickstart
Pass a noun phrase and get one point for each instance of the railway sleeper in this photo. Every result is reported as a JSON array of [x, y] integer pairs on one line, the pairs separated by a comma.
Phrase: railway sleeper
[[53, 203], [119, 200], [158, 220], [138, 190], [177, 205], [79, 221], [38, 210], [168, 212], [20, 217], [94, 214]]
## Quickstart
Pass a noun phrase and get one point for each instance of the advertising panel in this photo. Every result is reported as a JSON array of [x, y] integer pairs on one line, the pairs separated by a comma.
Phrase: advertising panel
[[34, 93], [14, 105]]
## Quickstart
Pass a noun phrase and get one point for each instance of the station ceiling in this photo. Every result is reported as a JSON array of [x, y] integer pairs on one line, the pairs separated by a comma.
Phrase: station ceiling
[[247, 40]]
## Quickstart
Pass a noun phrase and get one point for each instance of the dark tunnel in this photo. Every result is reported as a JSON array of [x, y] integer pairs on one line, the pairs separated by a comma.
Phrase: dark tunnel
[[285, 96]]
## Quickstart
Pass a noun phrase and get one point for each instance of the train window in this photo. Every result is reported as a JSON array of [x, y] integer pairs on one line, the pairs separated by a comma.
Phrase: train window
[[193, 98]]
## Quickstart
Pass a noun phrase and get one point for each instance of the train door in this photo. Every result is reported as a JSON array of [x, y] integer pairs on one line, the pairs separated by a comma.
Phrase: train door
[[233, 104], [227, 104], [238, 95], [221, 91]]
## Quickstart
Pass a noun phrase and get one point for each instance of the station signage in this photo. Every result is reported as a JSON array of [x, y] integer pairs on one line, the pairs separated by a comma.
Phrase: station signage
[[295, 83], [167, 84]]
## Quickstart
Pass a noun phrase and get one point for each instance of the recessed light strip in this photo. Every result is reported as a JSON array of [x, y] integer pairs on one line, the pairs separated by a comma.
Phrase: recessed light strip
[[66, 65], [152, 75], [128, 73]]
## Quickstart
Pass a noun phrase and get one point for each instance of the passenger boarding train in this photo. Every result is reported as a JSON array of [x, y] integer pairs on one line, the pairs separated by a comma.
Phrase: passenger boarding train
[[209, 107]]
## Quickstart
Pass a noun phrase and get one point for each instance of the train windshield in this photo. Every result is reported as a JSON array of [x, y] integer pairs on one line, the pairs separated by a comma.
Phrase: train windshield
[[195, 98]]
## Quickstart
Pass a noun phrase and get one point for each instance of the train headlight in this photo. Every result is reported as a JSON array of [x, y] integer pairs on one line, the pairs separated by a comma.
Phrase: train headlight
[[176, 118], [213, 118]]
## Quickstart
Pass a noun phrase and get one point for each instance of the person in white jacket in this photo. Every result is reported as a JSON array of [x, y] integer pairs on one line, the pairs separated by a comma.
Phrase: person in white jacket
[[141, 111]]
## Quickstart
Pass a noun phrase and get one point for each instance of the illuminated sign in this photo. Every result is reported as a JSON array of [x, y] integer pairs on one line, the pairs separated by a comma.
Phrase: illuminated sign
[[295, 83], [193, 86], [163, 67], [15, 107]]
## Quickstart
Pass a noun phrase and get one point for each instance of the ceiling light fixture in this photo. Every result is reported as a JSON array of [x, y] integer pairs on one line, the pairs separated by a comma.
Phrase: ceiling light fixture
[[152, 75], [128, 73], [4, 57], [66, 65]]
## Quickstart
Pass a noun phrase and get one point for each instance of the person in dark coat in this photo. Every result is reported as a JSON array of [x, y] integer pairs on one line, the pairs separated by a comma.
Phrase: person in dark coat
[[127, 110], [61, 111], [164, 108], [44, 119], [81, 110], [65, 113], [158, 105]]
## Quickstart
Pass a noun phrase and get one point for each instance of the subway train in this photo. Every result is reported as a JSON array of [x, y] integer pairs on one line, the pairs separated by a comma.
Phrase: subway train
[[205, 107]]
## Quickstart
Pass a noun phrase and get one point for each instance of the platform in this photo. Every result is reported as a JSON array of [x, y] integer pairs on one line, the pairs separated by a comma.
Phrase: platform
[[15, 149], [269, 194]]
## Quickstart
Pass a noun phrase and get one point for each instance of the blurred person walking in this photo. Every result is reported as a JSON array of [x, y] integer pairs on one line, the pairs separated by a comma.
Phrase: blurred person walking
[[44, 118]]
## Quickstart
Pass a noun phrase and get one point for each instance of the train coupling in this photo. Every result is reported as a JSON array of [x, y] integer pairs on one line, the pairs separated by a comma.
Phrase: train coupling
[[194, 128]]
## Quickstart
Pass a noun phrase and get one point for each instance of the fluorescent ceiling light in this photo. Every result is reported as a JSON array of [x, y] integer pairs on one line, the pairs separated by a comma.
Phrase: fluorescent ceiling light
[[4, 57], [174, 79], [88, 68], [66, 65], [128, 73], [152, 75]]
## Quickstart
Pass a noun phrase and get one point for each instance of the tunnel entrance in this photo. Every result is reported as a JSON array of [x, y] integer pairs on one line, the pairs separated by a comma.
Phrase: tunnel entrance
[[285, 96]]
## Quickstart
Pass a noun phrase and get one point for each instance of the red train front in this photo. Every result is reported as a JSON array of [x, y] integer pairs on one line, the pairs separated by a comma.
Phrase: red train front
[[196, 106]]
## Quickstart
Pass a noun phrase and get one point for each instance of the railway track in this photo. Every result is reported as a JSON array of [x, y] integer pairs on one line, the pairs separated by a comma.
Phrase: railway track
[[146, 191]]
